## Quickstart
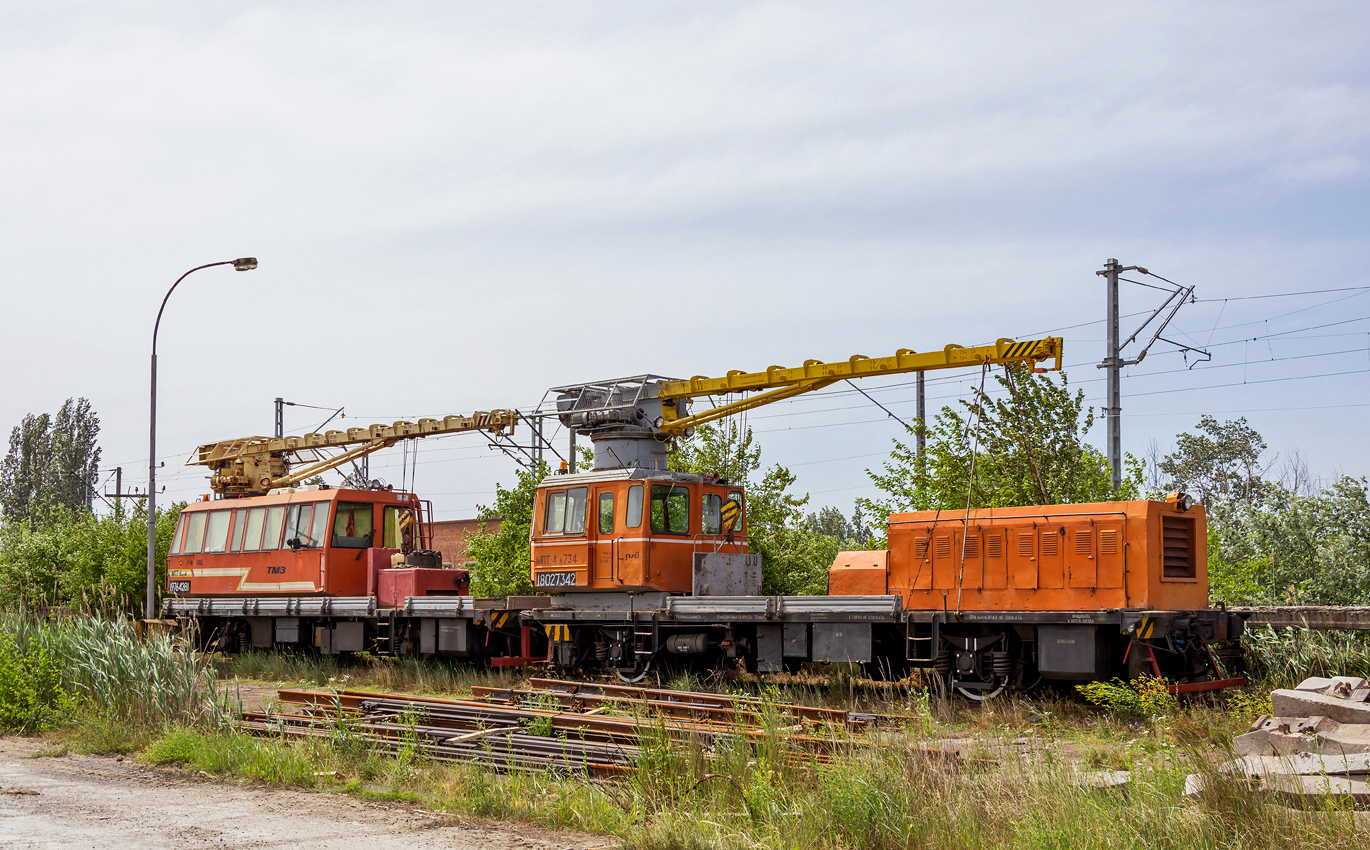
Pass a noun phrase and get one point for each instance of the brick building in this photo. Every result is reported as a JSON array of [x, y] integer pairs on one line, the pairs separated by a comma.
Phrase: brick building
[[449, 537]]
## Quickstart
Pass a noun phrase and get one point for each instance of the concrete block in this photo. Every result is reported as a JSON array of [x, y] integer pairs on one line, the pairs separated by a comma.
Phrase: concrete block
[[1301, 790], [1282, 736], [1106, 780], [1337, 686], [1296, 703], [1298, 764]]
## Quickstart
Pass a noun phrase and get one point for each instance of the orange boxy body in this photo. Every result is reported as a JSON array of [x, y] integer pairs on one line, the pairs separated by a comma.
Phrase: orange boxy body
[[1084, 557]]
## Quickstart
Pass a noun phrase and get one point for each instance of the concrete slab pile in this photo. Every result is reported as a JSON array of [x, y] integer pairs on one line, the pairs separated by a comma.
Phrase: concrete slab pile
[[1315, 745]]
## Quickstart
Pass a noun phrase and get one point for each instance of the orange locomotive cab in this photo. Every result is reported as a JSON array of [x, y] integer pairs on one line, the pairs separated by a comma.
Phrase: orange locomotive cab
[[632, 529], [295, 541]]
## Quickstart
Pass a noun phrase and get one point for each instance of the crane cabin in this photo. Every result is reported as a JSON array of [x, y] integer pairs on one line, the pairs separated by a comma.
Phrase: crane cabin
[[634, 530]]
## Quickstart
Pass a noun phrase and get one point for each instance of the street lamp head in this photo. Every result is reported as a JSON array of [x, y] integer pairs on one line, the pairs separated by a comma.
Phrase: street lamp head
[[245, 264]]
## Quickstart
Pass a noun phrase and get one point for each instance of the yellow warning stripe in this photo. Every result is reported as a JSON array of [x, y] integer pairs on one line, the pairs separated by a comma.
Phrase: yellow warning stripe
[[1021, 349], [560, 633]]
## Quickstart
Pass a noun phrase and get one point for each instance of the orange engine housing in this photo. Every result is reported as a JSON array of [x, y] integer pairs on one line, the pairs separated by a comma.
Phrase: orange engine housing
[[1082, 557]]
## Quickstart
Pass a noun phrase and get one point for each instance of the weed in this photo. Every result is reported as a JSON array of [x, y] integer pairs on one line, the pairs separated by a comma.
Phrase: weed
[[52, 750], [1144, 697]]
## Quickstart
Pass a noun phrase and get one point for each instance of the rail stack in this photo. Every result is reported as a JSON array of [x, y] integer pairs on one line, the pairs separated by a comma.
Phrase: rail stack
[[564, 727]]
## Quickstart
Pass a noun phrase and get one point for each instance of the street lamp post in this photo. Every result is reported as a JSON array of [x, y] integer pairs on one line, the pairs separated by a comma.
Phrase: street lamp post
[[242, 264]]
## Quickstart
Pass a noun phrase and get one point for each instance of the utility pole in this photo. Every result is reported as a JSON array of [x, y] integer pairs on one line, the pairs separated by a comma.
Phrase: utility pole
[[1113, 356], [119, 487], [922, 417], [280, 418], [1112, 363], [571, 463]]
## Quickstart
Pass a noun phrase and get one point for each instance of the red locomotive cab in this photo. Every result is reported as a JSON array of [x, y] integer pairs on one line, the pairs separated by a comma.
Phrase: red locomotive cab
[[632, 529], [301, 541]]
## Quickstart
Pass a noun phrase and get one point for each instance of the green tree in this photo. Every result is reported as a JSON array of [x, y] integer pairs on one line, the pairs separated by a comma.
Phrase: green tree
[[502, 560], [1217, 460], [63, 556], [1025, 448], [51, 461], [1281, 547], [795, 557], [75, 454], [25, 486]]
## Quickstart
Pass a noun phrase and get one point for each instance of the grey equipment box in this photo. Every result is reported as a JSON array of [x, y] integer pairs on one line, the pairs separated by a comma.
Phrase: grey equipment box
[[1066, 650], [842, 642], [287, 630]]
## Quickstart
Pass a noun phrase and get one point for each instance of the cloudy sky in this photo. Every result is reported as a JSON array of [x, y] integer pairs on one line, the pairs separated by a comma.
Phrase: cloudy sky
[[456, 206]]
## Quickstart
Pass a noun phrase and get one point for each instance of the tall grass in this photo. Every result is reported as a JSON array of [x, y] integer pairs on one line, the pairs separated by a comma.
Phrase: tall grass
[[894, 789], [108, 673], [1283, 658]]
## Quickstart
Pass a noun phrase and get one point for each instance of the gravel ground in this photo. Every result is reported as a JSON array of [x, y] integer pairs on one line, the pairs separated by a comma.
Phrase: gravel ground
[[96, 802]]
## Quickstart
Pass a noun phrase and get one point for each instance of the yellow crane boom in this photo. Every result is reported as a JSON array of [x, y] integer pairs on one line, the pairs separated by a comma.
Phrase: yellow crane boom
[[780, 383], [250, 466]]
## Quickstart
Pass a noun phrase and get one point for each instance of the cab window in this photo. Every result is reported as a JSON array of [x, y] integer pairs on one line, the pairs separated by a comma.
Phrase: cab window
[[297, 520], [554, 517], [178, 538], [275, 521], [239, 528], [736, 496], [565, 511], [399, 532], [216, 532], [606, 513], [195, 534], [670, 509], [352, 526], [576, 498], [711, 514], [633, 510], [252, 539]]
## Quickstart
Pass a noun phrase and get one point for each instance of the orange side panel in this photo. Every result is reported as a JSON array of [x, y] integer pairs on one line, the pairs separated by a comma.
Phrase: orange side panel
[[1045, 558]]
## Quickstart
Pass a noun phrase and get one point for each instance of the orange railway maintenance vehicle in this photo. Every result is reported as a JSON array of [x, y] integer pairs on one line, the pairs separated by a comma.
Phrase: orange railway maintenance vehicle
[[637, 565], [274, 562], [1003, 597]]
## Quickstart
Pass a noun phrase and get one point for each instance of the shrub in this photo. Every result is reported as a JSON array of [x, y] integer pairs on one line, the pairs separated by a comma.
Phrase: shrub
[[31, 694], [1144, 697]]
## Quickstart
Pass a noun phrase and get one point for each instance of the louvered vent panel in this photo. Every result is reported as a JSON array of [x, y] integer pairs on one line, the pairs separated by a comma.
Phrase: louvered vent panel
[[1108, 542], [1025, 545], [1051, 543], [994, 546], [1084, 541], [1177, 547], [920, 549], [972, 547], [944, 546]]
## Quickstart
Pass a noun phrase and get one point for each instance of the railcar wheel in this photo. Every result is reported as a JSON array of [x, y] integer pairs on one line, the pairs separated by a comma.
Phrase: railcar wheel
[[982, 696], [633, 680]]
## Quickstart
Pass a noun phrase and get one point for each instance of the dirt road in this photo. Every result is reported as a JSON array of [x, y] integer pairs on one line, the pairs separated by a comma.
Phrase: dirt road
[[93, 802]]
